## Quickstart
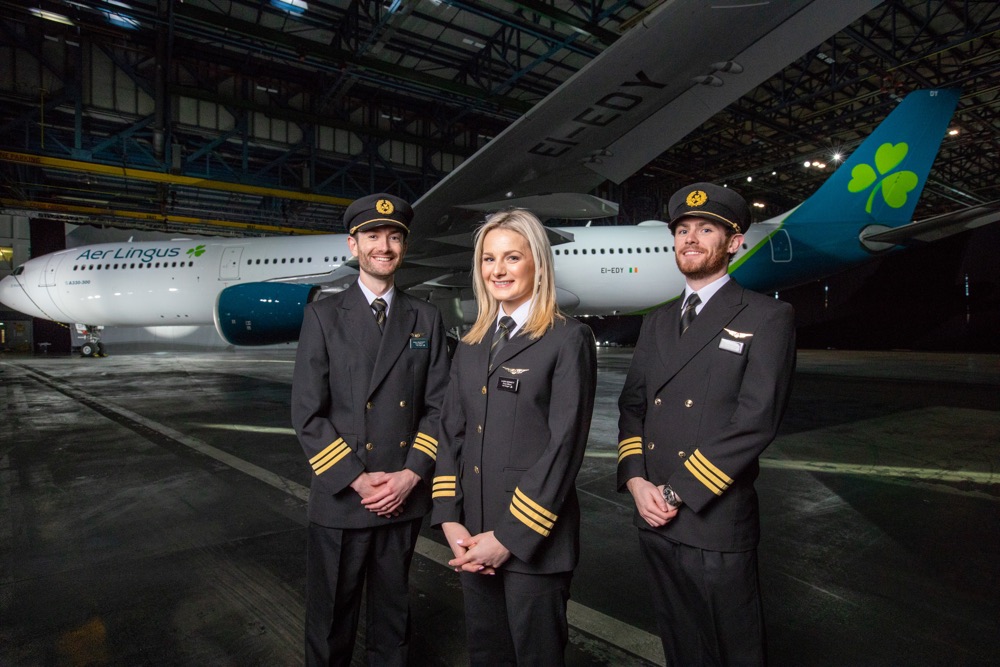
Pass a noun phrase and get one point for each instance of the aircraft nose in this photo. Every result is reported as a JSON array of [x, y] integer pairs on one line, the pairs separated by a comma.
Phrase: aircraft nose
[[13, 296]]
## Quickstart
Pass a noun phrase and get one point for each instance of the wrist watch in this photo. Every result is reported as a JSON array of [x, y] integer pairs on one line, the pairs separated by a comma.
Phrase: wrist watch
[[671, 497]]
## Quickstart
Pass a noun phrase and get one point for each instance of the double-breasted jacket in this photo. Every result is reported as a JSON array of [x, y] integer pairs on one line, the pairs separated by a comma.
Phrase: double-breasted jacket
[[368, 401], [697, 410]]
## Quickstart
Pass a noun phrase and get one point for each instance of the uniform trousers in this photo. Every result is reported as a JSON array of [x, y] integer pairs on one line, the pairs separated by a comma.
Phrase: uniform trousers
[[516, 619], [707, 603], [339, 563]]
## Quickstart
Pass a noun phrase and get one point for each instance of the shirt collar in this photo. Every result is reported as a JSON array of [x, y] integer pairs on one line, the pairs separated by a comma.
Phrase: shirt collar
[[371, 296], [520, 316], [706, 292]]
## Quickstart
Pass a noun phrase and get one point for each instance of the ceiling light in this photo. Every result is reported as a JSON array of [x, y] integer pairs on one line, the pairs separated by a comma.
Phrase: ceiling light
[[953, 132], [292, 6], [50, 16]]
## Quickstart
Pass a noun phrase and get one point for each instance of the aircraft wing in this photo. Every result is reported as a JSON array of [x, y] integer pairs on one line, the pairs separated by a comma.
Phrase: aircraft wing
[[938, 227], [680, 65]]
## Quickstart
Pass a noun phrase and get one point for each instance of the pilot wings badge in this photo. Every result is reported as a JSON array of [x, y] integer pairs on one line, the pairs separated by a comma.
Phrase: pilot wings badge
[[738, 335], [515, 371]]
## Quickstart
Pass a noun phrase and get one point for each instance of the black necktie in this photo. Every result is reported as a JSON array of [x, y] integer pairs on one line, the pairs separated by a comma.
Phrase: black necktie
[[689, 312], [379, 305], [500, 336]]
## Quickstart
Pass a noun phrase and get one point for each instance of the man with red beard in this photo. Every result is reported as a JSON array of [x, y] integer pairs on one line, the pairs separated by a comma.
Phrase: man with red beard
[[703, 397], [370, 375]]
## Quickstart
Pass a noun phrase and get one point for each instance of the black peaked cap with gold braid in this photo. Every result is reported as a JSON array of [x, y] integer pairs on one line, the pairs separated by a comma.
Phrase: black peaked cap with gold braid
[[377, 210], [710, 202]]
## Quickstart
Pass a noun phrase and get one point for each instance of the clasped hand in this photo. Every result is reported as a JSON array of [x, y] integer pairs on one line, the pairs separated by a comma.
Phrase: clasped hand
[[385, 493], [650, 503], [478, 554]]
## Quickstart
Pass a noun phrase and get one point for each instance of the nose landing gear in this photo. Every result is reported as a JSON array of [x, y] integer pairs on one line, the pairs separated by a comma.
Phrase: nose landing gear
[[92, 345]]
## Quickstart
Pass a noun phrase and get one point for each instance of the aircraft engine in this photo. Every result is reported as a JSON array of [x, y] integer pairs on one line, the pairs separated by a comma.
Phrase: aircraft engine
[[262, 313]]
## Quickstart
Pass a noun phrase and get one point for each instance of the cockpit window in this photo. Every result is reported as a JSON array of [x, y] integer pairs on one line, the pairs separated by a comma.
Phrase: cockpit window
[[18, 271]]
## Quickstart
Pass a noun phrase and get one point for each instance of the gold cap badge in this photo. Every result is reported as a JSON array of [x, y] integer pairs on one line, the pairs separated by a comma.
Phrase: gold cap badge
[[384, 206], [696, 198]]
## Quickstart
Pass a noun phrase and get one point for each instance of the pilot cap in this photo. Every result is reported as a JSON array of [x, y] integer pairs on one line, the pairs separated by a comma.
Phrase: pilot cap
[[377, 210], [711, 202]]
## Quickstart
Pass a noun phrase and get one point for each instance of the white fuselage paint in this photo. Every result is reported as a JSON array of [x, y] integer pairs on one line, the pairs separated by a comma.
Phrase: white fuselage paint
[[103, 284], [603, 271]]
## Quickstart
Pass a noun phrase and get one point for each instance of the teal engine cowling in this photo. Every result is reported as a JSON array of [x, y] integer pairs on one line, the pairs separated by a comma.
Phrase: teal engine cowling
[[262, 313]]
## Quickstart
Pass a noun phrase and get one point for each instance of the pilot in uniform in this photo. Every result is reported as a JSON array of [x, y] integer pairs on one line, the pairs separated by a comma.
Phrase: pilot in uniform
[[513, 436], [703, 397], [367, 389]]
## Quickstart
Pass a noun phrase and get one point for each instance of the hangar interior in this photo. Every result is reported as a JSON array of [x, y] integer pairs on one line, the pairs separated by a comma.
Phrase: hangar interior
[[258, 117], [152, 507]]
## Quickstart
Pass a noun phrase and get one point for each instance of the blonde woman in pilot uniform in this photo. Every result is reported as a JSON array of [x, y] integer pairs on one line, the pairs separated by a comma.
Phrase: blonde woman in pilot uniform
[[513, 435]]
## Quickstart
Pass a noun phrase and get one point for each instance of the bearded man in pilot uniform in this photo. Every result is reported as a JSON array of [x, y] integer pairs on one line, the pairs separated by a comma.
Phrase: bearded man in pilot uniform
[[370, 375], [703, 397]]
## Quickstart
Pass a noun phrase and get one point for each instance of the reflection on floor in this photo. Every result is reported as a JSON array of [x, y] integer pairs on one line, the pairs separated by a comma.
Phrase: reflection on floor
[[152, 512]]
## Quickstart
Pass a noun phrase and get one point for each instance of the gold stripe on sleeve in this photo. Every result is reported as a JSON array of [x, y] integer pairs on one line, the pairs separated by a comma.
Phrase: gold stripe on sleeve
[[705, 472], [444, 487], [726, 479], [426, 444], [629, 447], [323, 454], [531, 514], [329, 456]]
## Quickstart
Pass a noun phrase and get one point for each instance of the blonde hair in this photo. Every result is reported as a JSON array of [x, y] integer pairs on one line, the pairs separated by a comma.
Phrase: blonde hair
[[544, 310]]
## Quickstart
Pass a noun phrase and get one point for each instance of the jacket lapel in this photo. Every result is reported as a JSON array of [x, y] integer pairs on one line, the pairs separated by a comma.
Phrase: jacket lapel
[[360, 322], [717, 313], [395, 338], [514, 346]]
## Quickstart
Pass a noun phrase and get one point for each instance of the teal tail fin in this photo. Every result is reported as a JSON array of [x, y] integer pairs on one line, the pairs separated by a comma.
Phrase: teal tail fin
[[882, 180]]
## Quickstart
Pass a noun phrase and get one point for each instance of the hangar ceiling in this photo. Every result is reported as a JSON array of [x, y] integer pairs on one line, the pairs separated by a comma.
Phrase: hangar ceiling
[[268, 116]]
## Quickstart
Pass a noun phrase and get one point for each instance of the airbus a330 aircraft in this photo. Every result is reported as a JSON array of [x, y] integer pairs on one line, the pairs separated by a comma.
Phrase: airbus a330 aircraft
[[253, 290], [613, 116]]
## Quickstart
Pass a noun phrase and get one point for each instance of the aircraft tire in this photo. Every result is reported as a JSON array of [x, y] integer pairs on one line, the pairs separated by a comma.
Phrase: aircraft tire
[[87, 350], [100, 349]]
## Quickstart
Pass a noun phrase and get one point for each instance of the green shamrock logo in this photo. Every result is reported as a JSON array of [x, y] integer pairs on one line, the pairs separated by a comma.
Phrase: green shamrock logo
[[894, 187], [197, 251]]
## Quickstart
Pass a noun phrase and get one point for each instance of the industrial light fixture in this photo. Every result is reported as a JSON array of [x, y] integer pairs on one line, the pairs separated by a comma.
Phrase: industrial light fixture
[[291, 6], [50, 16]]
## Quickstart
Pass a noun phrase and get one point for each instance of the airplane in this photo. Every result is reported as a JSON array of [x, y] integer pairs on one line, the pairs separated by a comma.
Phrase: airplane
[[609, 119], [253, 290]]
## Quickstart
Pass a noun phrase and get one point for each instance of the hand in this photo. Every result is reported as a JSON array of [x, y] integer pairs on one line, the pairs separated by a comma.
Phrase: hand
[[460, 541], [649, 500], [391, 491], [484, 554], [366, 484]]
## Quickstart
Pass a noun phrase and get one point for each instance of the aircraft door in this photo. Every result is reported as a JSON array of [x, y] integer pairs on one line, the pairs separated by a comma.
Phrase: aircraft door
[[781, 246], [229, 268], [48, 277]]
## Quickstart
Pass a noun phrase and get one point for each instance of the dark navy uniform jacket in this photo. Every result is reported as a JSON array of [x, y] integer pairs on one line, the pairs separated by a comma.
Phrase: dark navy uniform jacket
[[512, 441], [697, 411], [365, 401]]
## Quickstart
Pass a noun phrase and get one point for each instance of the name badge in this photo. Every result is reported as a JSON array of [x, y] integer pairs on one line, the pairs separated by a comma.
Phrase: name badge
[[508, 384], [731, 346], [419, 344]]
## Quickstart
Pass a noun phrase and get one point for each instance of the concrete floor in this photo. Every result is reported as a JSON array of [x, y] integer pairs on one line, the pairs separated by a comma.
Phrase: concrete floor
[[152, 512]]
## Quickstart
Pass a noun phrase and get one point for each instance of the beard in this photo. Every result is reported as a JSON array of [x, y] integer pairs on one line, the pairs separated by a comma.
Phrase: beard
[[378, 269], [706, 265]]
